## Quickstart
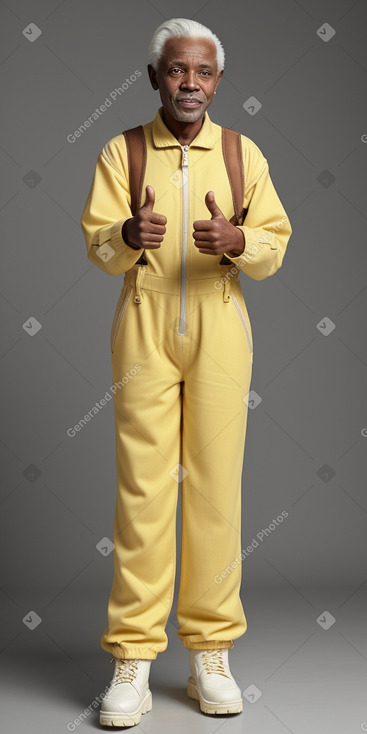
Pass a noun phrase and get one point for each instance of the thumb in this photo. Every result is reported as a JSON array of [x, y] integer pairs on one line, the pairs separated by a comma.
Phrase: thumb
[[212, 205], [149, 198]]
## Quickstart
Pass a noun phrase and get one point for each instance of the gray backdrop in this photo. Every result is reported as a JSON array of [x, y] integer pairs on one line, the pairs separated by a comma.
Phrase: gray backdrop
[[305, 61]]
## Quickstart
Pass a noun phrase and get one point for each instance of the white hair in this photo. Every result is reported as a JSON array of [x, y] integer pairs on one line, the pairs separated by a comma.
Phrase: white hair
[[181, 28]]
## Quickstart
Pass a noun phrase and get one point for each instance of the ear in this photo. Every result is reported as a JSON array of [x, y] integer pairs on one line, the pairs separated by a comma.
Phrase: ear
[[152, 76], [218, 80]]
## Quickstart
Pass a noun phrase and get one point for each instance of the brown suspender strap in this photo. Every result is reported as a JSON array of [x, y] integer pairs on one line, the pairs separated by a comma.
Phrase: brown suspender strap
[[233, 159], [232, 154], [137, 159]]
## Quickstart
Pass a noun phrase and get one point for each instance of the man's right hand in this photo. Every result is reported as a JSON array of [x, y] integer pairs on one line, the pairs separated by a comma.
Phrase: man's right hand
[[147, 229]]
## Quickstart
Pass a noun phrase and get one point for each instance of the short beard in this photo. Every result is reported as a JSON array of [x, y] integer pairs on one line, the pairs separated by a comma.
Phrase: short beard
[[187, 115]]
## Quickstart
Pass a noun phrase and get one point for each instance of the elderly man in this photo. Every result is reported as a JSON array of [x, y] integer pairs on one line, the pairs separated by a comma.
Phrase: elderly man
[[181, 338]]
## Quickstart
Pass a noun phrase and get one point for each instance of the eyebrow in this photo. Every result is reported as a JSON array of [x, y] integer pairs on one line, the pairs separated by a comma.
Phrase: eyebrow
[[182, 63]]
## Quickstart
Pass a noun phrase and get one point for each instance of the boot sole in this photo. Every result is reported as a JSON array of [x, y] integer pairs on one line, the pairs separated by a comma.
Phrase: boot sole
[[107, 718], [210, 707]]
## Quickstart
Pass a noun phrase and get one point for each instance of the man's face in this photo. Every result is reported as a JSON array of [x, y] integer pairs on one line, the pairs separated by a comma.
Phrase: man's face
[[187, 77]]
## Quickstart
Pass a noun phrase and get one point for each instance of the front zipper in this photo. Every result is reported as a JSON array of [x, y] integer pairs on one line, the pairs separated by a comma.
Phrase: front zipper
[[238, 307], [185, 215], [119, 316]]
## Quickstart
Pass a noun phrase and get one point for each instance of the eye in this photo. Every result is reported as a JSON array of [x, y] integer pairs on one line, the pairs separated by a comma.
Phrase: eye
[[176, 69]]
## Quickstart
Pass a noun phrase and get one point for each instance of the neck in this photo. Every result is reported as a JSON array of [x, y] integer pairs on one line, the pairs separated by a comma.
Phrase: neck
[[184, 132]]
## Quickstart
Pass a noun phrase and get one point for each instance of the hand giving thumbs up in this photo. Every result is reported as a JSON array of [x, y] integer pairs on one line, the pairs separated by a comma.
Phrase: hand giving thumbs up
[[147, 228], [217, 235]]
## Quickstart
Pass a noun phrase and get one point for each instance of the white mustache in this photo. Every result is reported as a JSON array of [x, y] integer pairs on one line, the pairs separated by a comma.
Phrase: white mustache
[[189, 99]]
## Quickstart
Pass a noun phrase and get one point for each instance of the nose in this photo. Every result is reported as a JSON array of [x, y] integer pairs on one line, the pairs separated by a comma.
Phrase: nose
[[189, 81]]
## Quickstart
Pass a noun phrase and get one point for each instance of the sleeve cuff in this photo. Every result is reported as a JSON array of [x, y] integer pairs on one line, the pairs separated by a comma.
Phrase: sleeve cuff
[[117, 240], [254, 241], [114, 244]]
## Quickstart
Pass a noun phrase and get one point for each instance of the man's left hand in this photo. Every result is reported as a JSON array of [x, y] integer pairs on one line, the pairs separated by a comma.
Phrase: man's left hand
[[217, 235]]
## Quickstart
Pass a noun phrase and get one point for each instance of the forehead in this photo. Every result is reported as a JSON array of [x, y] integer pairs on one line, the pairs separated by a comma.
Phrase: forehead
[[194, 50]]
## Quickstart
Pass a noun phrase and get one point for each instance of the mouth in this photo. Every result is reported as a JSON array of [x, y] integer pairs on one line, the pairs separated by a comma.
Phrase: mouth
[[190, 103]]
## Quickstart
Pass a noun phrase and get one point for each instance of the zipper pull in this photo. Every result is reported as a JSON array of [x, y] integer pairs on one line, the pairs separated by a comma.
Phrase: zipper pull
[[185, 160]]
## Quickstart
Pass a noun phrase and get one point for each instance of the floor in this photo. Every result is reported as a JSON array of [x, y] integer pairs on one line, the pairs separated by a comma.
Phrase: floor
[[299, 671]]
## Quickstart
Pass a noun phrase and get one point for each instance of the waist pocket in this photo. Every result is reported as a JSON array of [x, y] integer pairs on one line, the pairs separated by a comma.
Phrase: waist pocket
[[245, 321], [124, 299]]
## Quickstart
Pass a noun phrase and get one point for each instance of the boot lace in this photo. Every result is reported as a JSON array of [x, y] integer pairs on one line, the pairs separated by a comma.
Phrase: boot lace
[[126, 670], [213, 662]]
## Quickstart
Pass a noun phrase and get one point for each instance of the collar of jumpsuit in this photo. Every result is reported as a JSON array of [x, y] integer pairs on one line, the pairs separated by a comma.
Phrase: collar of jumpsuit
[[163, 138]]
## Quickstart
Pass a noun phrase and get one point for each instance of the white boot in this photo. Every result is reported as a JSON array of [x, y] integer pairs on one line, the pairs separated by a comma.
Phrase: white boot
[[128, 695], [212, 684]]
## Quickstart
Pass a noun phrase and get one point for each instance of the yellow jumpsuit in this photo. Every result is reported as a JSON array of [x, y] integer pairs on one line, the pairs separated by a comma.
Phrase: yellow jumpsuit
[[182, 355]]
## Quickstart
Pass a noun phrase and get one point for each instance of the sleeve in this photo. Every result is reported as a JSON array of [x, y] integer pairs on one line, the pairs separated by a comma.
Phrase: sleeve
[[267, 228], [107, 208]]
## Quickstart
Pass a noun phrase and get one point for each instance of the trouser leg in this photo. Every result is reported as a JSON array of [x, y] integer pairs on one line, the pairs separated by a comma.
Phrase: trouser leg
[[216, 379], [148, 418]]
